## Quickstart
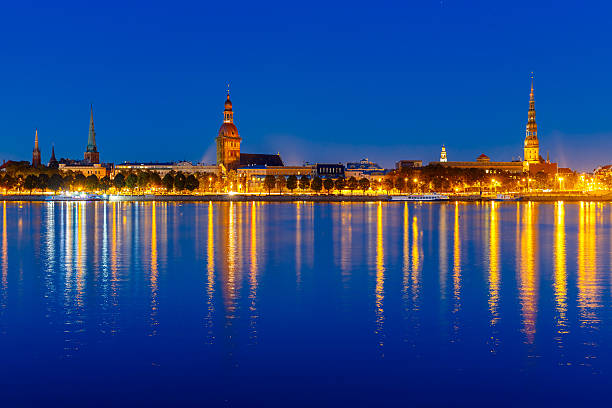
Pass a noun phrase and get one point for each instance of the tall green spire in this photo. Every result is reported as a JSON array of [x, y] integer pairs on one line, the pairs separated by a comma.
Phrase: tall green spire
[[91, 140]]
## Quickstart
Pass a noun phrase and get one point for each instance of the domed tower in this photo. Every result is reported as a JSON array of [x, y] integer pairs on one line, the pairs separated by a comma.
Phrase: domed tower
[[532, 145], [228, 140]]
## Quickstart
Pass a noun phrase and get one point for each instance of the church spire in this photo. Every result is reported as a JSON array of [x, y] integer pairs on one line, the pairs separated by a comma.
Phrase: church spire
[[532, 145], [91, 153], [91, 140], [53, 163], [228, 114], [36, 151]]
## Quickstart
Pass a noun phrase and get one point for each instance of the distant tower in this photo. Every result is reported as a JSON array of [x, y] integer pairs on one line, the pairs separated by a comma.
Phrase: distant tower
[[532, 145], [36, 152], [53, 163], [91, 154], [228, 140], [443, 158]]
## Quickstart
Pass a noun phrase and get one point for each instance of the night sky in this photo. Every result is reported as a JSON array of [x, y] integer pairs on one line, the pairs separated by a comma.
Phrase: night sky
[[318, 82]]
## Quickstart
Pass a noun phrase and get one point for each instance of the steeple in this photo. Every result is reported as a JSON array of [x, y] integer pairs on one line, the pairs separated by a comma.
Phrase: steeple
[[36, 151], [53, 163], [228, 114], [91, 140], [532, 145], [91, 154]]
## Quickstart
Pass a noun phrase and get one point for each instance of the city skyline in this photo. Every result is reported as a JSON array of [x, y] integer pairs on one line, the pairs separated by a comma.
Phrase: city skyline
[[302, 83]]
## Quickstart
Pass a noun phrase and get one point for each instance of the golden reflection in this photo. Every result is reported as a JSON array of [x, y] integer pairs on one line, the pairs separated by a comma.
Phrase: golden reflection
[[230, 281], [253, 273], [380, 274], [346, 240], [4, 256], [210, 267], [416, 260], [68, 252], [4, 247], [494, 273], [154, 271], [298, 243], [114, 256], [443, 252], [588, 286], [456, 262], [528, 270], [560, 285], [406, 252], [81, 245]]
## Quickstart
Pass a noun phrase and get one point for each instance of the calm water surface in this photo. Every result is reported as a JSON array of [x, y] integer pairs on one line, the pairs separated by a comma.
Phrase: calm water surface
[[290, 304]]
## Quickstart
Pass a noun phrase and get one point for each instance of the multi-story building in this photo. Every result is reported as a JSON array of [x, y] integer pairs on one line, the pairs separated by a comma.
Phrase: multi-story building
[[483, 162], [99, 170], [162, 169], [409, 164]]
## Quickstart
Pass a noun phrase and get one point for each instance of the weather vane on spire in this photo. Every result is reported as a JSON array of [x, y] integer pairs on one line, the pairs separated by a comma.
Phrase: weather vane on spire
[[228, 89]]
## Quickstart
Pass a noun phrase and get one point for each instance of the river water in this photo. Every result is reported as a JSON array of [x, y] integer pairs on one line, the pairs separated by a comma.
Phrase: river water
[[304, 304]]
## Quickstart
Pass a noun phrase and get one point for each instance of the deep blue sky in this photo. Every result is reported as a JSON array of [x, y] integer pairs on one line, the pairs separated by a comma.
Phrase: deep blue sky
[[314, 81]]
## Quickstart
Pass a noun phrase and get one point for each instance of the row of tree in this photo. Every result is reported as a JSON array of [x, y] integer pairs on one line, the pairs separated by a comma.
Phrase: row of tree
[[133, 181], [315, 184]]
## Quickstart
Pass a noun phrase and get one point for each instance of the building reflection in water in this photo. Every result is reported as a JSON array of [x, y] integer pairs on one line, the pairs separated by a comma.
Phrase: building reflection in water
[[154, 271], [442, 250], [380, 275], [406, 253], [4, 280], [253, 316], [416, 262], [528, 270], [456, 266], [588, 285], [560, 272], [210, 273], [298, 243], [346, 241], [494, 263]]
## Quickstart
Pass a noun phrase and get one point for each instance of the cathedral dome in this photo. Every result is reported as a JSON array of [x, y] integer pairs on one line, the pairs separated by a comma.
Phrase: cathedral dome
[[228, 129]]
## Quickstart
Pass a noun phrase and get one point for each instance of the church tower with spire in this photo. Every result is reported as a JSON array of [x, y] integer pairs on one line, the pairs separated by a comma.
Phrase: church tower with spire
[[532, 145], [36, 151], [228, 140], [53, 163], [91, 154]]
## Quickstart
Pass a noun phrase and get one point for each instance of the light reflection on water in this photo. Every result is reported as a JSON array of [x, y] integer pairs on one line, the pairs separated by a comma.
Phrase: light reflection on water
[[520, 287]]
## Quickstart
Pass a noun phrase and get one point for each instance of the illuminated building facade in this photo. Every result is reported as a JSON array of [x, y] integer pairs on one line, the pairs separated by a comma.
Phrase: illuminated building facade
[[162, 169], [443, 158], [92, 155], [483, 162], [98, 170], [228, 139], [36, 151]]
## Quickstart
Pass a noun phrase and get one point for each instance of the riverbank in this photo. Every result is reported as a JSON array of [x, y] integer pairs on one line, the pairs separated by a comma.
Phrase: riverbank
[[539, 197]]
